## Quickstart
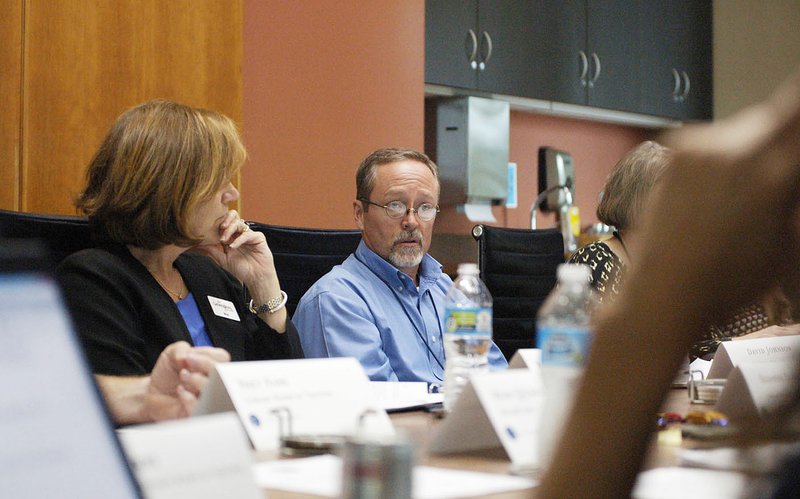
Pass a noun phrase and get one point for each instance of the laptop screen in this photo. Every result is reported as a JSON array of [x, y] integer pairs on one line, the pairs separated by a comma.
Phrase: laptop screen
[[57, 438]]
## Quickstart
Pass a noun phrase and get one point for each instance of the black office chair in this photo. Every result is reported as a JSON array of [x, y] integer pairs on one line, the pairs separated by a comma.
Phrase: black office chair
[[301, 255], [304, 255], [61, 234], [519, 268]]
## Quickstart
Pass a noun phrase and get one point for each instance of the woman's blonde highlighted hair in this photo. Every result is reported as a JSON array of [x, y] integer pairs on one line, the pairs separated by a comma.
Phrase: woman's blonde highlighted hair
[[158, 161]]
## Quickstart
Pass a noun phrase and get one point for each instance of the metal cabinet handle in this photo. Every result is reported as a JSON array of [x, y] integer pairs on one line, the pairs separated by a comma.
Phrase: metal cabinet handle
[[584, 67], [473, 53], [597, 67], [687, 87], [676, 90], [489, 46]]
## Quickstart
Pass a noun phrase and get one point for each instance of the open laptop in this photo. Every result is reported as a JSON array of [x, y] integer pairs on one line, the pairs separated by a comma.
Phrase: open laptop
[[57, 438]]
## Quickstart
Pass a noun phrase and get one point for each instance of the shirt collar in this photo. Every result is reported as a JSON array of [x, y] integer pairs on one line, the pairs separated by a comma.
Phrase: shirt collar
[[429, 269]]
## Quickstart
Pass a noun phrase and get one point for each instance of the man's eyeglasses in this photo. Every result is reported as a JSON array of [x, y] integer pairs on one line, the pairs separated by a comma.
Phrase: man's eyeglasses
[[398, 209]]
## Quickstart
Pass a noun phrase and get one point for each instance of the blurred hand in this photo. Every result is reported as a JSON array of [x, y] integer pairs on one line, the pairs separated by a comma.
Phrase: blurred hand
[[722, 229], [723, 225], [179, 376]]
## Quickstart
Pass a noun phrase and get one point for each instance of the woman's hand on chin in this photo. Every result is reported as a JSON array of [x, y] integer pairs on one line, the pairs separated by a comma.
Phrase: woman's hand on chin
[[241, 251]]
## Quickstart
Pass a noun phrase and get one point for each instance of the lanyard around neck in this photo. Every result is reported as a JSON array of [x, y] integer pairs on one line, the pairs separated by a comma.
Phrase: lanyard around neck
[[422, 336]]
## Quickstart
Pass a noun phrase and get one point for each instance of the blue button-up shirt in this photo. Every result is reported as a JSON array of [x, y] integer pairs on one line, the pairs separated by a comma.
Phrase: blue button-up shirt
[[368, 309]]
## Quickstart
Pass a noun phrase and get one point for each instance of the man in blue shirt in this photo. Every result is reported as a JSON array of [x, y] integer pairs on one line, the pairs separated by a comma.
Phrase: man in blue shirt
[[385, 304]]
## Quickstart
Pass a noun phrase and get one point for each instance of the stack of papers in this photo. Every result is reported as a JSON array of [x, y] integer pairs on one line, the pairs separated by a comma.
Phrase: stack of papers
[[759, 459], [725, 473], [396, 396], [690, 483]]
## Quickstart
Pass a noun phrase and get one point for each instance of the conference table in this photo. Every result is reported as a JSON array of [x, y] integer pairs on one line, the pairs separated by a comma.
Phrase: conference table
[[419, 426]]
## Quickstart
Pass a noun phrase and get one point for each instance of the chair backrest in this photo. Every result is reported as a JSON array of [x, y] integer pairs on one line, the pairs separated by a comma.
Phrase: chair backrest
[[301, 255], [519, 268], [304, 255], [61, 234]]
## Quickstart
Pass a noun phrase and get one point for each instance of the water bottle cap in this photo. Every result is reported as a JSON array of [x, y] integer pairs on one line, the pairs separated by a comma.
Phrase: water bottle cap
[[571, 272], [468, 268]]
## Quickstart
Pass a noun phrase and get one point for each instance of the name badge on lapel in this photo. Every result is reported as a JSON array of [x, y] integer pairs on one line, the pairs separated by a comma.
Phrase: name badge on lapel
[[223, 308]]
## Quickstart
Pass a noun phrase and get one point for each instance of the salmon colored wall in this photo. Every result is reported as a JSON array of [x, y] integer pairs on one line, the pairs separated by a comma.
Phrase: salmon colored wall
[[325, 83], [595, 148], [323, 87]]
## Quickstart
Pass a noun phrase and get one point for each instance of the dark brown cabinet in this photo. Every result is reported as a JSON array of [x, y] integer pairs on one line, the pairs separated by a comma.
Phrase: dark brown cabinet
[[677, 53], [451, 43], [641, 56], [598, 52], [498, 46]]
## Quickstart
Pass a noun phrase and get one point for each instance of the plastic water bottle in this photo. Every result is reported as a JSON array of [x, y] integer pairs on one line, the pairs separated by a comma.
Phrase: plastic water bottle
[[564, 337], [468, 331]]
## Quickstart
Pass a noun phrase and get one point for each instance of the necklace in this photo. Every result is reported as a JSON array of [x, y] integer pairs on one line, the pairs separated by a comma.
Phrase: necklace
[[179, 296], [408, 316]]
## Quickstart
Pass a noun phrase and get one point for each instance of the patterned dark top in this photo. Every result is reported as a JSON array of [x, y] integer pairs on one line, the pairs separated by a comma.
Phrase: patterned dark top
[[607, 269], [747, 319]]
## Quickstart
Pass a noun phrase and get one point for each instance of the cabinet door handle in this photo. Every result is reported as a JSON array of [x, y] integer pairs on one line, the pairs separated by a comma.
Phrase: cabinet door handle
[[485, 61], [687, 87], [677, 89], [584, 67], [472, 53], [597, 68]]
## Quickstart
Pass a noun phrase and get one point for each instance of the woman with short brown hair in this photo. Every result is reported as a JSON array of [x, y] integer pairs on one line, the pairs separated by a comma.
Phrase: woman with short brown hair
[[627, 189], [158, 187], [630, 184], [158, 161]]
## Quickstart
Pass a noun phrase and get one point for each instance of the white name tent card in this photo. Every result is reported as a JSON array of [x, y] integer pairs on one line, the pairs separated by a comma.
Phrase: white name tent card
[[754, 390], [526, 357], [275, 398], [496, 409], [682, 483], [203, 458], [732, 353]]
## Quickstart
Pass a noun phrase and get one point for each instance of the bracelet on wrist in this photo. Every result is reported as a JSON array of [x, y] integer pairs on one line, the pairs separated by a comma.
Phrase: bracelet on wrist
[[271, 306]]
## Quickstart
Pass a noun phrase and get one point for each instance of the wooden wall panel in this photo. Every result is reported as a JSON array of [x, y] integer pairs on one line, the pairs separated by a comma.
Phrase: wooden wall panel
[[10, 87], [86, 61]]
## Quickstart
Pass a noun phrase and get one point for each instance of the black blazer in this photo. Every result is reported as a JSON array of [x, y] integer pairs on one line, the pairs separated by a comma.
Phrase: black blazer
[[126, 319]]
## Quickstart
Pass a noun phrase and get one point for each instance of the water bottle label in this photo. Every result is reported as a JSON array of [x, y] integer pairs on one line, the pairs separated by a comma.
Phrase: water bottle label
[[564, 346], [476, 321]]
